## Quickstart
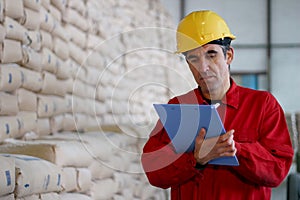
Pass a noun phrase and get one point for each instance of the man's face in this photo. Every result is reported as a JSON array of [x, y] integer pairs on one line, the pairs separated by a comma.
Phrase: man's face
[[210, 67]]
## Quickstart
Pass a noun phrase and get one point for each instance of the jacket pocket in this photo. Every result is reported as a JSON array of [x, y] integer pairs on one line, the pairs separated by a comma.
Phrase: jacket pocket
[[246, 135]]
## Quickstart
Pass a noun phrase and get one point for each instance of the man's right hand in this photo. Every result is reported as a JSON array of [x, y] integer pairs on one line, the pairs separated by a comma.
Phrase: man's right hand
[[215, 147]]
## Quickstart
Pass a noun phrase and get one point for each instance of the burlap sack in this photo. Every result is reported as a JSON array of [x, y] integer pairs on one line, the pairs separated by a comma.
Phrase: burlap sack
[[93, 76], [124, 180], [75, 67], [64, 71], [35, 40], [70, 153], [1, 11], [57, 14], [31, 19], [9, 127], [81, 121], [80, 88], [76, 35], [56, 123], [108, 147], [72, 196], [2, 30], [104, 189], [46, 39], [100, 170], [43, 126], [46, 4], [61, 32], [8, 104], [10, 77], [27, 100], [99, 107], [46, 107], [100, 93], [14, 9], [52, 86], [69, 123], [76, 53], [14, 30], [28, 122], [30, 197], [61, 5], [107, 141], [82, 105], [8, 197], [93, 41], [69, 179], [73, 17], [95, 59], [47, 20], [147, 191], [50, 196], [34, 175], [79, 6], [32, 59], [32, 4], [32, 80], [7, 175], [62, 105], [60, 48], [84, 180], [11, 51], [49, 60]]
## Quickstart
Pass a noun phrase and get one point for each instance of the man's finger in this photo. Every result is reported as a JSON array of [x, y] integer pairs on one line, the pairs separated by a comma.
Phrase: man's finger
[[201, 135], [199, 139], [227, 135]]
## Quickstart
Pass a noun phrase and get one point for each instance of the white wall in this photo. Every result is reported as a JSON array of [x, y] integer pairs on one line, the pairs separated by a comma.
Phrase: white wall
[[248, 21], [285, 61]]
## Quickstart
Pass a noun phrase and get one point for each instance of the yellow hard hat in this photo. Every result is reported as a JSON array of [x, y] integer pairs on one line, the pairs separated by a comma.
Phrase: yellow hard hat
[[199, 28]]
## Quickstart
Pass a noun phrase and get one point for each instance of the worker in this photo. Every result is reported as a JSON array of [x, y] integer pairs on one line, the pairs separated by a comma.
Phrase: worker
[[257, 132]]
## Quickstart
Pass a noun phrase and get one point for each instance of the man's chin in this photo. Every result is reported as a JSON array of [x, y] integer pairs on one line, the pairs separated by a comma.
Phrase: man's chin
[[206, 87]]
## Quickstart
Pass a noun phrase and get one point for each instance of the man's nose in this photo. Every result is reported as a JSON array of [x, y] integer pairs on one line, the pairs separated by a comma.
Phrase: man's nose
[[202, 65]]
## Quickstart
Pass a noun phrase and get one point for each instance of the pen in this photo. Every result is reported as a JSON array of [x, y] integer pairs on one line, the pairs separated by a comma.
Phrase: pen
[[217, 105]]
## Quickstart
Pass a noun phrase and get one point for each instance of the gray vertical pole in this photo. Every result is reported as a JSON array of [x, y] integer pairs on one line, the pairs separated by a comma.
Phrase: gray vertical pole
[[182, 9], [269, 45]]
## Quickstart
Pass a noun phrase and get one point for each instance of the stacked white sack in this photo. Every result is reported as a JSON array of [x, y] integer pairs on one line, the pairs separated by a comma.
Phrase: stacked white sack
[[7, 176], [47, 176], [83, 65]]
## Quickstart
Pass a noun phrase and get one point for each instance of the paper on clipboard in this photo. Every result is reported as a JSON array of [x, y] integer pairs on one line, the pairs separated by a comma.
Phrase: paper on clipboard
[[183, 122]]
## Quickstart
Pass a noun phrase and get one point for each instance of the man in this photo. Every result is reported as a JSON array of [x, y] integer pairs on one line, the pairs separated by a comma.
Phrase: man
[[257, 131]]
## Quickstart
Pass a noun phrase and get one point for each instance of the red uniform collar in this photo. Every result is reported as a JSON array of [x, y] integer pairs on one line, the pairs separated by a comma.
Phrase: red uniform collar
[[231, 98]]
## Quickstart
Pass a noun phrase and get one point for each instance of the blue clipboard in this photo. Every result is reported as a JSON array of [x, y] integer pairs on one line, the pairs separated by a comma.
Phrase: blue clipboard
[[183, 122]]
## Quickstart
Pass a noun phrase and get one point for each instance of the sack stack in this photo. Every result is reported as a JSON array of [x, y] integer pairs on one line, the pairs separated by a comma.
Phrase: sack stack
[[89, 166], [76, 65], [77, 83]]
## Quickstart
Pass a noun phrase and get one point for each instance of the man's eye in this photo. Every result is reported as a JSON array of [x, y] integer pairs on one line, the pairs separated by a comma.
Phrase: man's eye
[[193, 60], [211, 55]]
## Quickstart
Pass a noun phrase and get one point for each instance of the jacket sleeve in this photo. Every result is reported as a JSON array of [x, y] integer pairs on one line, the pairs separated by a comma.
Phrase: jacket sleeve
[[266, 162], [163, 167]]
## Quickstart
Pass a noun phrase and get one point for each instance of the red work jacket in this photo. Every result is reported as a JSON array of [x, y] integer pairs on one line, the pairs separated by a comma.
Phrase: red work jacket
[[263, 145]]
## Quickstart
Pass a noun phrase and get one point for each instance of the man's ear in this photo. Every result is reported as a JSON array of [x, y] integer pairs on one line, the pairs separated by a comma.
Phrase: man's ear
[[229, 55]]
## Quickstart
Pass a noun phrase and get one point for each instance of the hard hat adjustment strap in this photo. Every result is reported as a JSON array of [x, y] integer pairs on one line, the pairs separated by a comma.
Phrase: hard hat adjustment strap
[[222, 41]]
